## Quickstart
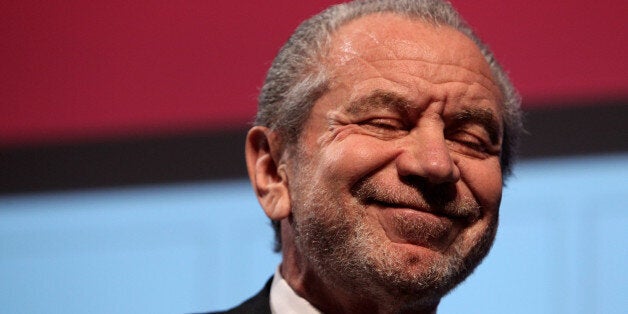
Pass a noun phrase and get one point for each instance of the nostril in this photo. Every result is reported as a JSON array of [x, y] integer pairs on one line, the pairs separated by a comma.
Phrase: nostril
[[434, 167]]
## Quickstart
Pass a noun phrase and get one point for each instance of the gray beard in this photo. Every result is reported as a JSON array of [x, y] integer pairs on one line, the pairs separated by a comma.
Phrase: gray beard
[[345, 252]]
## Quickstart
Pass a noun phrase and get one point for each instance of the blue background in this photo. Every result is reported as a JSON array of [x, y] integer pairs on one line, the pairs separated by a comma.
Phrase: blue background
[[561, 246]]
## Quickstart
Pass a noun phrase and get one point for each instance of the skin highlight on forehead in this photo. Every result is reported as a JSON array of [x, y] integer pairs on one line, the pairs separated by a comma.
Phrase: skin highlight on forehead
[[401, 39], [374, 41]]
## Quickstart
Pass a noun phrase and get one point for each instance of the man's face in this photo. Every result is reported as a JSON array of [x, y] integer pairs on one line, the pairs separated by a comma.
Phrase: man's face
[[396, 182]]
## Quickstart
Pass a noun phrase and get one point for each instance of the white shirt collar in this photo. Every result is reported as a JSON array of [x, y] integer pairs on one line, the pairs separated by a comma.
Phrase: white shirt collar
[[283, 300]]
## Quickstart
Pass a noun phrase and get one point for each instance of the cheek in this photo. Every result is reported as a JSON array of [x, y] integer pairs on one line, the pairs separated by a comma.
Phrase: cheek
[[483, 178], [354, 157]]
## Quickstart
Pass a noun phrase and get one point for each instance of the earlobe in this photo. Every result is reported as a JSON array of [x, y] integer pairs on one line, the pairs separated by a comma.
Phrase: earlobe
[[267, 172]]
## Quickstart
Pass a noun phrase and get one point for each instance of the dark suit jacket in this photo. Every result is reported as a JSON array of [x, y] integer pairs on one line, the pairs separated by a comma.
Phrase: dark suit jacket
[[258, 304]]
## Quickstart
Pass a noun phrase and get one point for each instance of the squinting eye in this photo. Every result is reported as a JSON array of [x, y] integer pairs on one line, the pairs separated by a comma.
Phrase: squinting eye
[[474, 145], [384, 124], [467, 144], [384, 128]]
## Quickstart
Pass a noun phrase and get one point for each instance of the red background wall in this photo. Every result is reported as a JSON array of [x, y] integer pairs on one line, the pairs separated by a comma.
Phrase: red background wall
[[83, 70]]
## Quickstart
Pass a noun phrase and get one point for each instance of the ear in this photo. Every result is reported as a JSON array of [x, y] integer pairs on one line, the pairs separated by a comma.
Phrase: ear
[[267, 172]]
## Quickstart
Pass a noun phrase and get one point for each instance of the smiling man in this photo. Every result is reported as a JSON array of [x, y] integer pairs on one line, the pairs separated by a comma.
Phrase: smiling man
[[384, 133]]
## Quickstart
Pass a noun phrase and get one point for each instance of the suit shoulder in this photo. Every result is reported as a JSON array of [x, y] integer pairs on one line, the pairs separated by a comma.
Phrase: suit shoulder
[[258, 304]]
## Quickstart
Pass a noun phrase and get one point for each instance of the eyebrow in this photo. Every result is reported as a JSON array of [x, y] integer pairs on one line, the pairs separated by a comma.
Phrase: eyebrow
[[483, 117], [379, 100]]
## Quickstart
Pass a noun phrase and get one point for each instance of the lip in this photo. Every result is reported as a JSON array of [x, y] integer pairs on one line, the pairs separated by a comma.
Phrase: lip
[[404, 206], [466, 217], [404, 224]]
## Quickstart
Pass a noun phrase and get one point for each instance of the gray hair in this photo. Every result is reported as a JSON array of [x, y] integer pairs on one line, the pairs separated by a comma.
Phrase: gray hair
[[297, 77]]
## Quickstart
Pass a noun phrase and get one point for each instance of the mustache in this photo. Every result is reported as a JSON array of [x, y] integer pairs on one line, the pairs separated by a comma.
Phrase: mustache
[[436, 199]]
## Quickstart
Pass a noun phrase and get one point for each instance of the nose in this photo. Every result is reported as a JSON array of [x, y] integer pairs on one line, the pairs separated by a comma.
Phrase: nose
[[426, 154]]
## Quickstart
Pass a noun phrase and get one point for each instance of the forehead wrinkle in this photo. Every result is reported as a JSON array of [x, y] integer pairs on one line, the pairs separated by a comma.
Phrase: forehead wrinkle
[[486, 78], [403, 48], [378, 67]]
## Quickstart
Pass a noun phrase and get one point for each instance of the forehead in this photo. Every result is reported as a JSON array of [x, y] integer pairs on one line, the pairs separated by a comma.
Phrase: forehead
[[383, 35], [402, 50]]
